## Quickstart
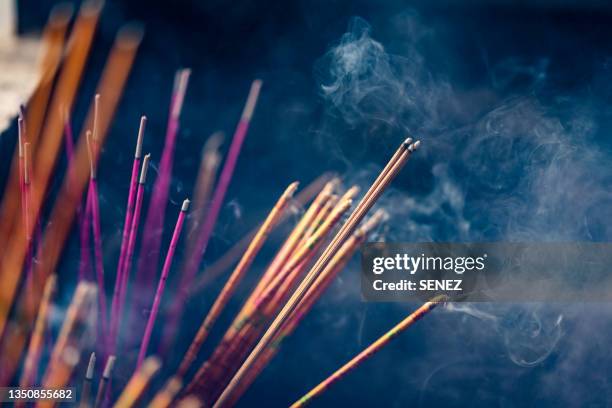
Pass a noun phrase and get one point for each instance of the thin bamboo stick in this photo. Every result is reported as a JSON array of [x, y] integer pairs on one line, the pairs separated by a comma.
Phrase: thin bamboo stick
[[235, 278]]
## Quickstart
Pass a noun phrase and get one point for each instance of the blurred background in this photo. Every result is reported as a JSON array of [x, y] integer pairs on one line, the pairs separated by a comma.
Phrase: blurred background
[[511, 100]]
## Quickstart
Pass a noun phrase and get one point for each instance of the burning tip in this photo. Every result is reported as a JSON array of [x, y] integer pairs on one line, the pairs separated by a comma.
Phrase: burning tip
[[185, 205], [145, 168], [90, 367], [141, 131], [292, 188], [416, 145], [249, 107], [407, 142], [108, 368]]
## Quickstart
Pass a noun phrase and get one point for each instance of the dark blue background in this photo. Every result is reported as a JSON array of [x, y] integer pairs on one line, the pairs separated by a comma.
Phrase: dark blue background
[[512, 104]]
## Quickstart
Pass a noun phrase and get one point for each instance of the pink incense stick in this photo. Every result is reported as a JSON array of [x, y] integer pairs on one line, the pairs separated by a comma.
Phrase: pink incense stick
[[99, 260], [120, 290], [162, 284], [131, 199], [191, 266], [153, 227]]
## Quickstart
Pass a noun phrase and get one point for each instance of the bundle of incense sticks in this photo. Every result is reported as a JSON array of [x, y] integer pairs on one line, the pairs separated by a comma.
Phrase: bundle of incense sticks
[[386, 176], [288, 288], [272, 289]]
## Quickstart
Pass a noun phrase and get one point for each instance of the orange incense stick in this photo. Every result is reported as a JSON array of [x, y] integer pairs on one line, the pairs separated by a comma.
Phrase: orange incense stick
[[235, 278], [370, 351], [138, 383]]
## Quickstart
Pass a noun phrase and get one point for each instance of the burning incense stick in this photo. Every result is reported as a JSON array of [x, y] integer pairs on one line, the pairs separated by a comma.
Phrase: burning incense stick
[[149, 252], [369, 351], [379, 185], [86, 388], [246, 314], [333, 268], [30, 367], [162, 283], [106, 376], [121, 283], [131, 196], [137, 384], [258, 310], [235, 278], [193, 263], [167, 394], [97, 233]]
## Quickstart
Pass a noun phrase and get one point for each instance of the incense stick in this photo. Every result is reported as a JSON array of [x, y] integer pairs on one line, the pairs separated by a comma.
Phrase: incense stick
[[167, 394], [106, 376], [369, 351], [337, 263], [370, 198], [137, 384], [120, 290], [192, 264], [162, 283], [235, 278], [97, 233], [131, 199], [86, 387], [225, 347]]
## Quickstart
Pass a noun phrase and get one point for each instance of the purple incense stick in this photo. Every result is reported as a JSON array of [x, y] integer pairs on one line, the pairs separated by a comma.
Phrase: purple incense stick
[[85, 262], [153, 227], [130, 201], [120, 289], [162, 284], [99, 260], [191, 266]]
